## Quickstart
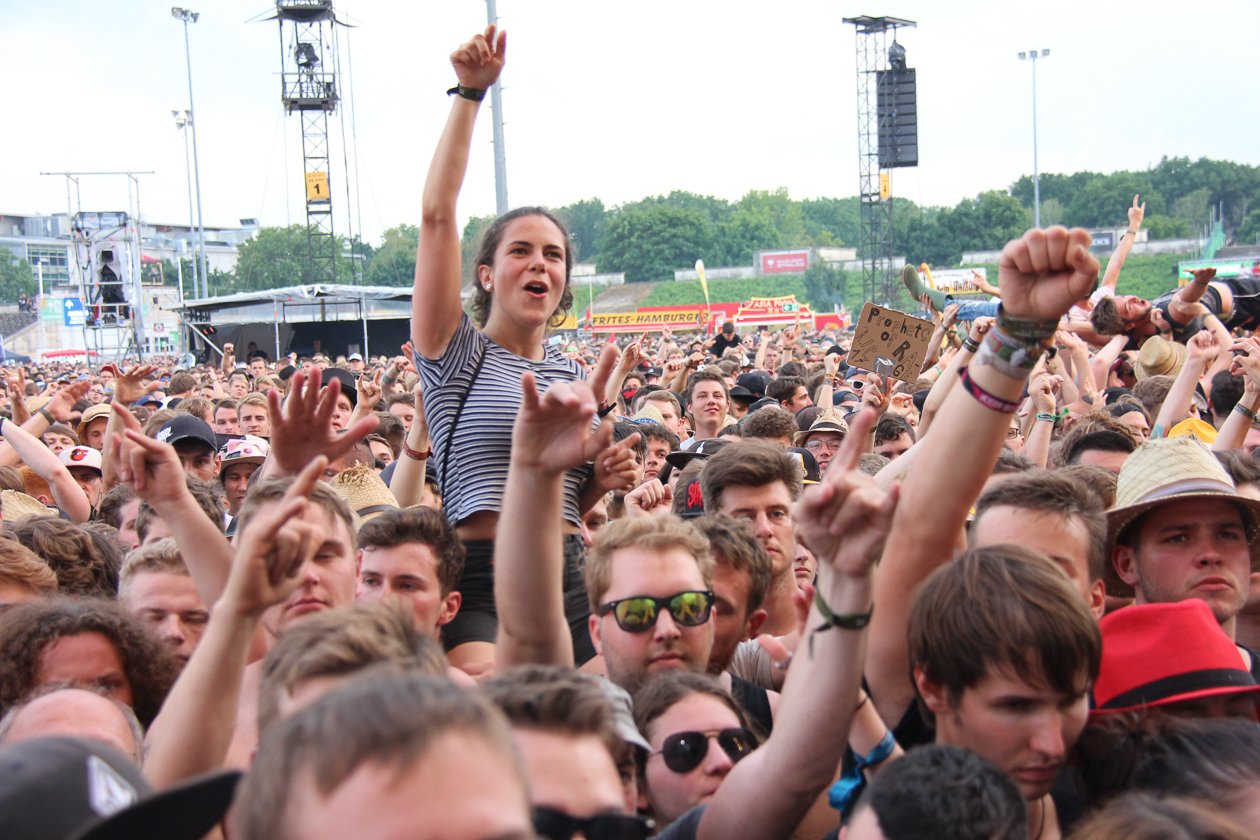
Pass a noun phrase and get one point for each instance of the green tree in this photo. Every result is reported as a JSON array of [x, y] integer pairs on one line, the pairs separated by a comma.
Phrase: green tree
[[743, 233], [16, 277], [585, 220], [1101, 202], [394, 263], [277, 257], [649, 242], [825, 287], [1193, 208], [784, 214], [832, 221], [1167, 227], [1249, 231]]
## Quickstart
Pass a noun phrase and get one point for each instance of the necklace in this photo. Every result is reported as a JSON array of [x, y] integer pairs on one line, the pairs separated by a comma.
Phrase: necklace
[[1042, 826]]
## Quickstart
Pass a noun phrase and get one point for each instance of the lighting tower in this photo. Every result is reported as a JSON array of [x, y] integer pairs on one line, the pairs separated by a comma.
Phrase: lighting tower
[[1032, 56], [308, 62], [881, 85]]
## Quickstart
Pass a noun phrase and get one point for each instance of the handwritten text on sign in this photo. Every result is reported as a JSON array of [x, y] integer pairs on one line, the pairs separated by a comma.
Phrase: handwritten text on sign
[[890, 343]]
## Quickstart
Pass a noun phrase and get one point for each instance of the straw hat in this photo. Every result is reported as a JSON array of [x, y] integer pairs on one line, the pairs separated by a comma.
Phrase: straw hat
[[1155, 654], [1159, 356], [649, 412], [364, 491], [828, 420], [1164, 471], [15, 505], [96, 412]]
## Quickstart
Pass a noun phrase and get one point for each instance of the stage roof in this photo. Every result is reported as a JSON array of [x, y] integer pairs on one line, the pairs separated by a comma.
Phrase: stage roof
[[301, 304]]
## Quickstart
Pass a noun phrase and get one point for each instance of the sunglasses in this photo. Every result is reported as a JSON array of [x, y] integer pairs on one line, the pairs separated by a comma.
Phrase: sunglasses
[[551, 824], [683, 751], [639, 614]]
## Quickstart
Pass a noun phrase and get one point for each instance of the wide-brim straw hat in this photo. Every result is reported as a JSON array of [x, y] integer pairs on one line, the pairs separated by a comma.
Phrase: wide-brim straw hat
[[364, 491], [15, 505], [1159, 357], [828, 420], [1164, 471]]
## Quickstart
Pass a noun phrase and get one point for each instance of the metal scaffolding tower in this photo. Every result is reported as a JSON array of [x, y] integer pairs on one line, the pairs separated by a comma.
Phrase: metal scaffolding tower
[[879, 281], [309, 86]]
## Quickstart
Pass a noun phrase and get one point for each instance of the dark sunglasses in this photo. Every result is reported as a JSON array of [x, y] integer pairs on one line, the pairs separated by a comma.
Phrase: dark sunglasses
[[557, 825], [639, 614], [683, 751]]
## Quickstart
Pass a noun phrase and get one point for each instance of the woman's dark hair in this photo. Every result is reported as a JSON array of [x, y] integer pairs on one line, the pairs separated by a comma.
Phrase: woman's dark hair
[[485, 256]]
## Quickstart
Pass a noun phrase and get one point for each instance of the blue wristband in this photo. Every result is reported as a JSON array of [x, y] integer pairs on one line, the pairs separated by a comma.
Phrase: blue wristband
[[844, 792]]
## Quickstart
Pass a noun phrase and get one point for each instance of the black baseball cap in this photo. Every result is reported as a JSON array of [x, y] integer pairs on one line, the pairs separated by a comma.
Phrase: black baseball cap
[[79, 789], [682, 457], [188, 427]]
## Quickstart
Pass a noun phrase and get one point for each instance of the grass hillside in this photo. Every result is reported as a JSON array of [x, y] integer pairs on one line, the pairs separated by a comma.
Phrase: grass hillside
[[1148, 276]]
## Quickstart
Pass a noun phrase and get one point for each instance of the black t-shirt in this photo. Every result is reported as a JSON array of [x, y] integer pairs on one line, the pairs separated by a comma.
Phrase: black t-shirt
[[721, 344]]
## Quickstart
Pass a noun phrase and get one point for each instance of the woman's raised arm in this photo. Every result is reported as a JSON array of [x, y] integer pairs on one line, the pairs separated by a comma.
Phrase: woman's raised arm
[[435, 307]]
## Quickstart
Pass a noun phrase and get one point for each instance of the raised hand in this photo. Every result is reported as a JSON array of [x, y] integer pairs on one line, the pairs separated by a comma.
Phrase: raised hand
[[277, 544], [129, 385], [1202, 347], [1044, 272], [831, 364], [648, 498], [980, 328], [302, 429], [1136, 214], [1043, 390], [615, 467], [875, 395], [1247, 363], [950, 316], [1202, 275], [62, 403], [633, 355], [369, 390], [554, 432], [845, 519], [151, 467], [479, 62]]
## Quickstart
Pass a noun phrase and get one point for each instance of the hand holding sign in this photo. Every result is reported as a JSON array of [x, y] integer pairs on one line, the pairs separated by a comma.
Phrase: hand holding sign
[[890, 343]]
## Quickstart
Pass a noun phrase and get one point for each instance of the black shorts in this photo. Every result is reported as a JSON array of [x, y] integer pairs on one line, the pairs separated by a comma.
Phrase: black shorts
[[478, 620]]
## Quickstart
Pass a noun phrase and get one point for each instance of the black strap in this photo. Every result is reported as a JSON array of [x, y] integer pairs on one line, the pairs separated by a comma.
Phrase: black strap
[[459, 410]]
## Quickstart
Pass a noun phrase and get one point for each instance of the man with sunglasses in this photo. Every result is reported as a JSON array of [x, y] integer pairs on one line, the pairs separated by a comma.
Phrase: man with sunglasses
[[653, 607]]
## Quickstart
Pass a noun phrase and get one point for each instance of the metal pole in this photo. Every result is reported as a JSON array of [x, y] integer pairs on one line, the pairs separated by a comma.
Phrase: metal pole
[[496, 105], [137, 314], [182, 124], [1036, 173], [185, 15], [39, 304]]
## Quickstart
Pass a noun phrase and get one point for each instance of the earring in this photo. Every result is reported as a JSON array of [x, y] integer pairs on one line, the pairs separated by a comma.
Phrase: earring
[[487, 287]]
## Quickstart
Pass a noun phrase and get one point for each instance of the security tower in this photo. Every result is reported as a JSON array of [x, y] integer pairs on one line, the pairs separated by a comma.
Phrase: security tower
[[308, 79]]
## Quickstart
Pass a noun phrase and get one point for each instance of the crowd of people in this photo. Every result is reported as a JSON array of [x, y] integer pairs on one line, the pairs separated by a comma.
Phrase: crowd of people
[[676, 585]]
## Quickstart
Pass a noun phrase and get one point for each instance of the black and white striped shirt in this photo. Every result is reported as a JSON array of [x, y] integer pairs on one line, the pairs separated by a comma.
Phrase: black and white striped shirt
[[479, 454]]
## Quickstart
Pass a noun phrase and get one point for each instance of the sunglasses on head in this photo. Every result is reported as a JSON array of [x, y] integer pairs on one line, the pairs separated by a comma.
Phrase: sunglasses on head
[[551, 824], [683, 751], [639, 614]]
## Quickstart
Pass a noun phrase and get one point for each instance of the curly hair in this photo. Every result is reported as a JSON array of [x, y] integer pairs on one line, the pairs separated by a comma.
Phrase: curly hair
[[26, 630], [80, 565], [490, 240]]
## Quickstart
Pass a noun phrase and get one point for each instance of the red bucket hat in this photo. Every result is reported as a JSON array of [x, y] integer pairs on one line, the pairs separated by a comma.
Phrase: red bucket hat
[[1156, 654]]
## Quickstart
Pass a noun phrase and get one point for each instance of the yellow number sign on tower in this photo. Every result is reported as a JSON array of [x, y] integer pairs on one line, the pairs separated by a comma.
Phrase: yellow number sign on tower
[[317, 186]]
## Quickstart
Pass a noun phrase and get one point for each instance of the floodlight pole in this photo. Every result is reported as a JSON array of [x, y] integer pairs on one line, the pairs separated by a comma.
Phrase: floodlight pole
[[496, 121], [191, 17], [1033, 55]]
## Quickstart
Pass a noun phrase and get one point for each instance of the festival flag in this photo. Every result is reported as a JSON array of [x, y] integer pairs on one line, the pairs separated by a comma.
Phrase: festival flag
[[704, 287]]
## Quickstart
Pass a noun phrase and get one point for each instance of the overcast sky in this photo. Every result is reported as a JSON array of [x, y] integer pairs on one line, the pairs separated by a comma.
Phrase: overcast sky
[[615, 100]]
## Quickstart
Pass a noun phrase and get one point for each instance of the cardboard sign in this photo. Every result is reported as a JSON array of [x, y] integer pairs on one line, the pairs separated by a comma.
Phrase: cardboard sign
[[890, 343]]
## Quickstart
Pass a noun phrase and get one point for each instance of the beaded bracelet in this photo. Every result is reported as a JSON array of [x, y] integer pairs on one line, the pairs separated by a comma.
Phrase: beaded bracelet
[[984, 397]]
